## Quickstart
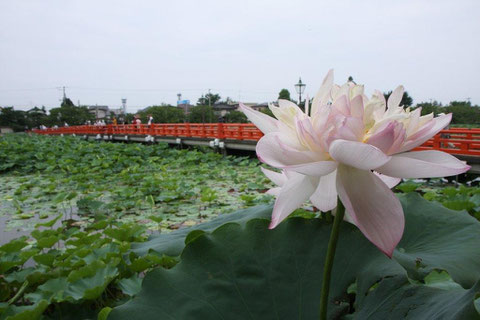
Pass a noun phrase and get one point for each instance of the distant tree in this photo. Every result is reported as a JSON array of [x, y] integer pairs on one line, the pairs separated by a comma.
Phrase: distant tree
[[236, 117], [406, 102], [36, 117], [463, 112], [268, 112], [208, 99], [16, 119], [163, 114], [202, 114], [429, 107], [70, 114], [67, 103], [129, 118], [284, 94], [460, 103]]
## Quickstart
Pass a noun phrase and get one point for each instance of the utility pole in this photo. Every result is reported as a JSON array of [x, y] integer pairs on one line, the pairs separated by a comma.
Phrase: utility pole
[[64, 94]]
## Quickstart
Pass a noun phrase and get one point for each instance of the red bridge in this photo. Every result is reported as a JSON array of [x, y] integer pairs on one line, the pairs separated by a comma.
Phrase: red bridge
[[462, 142]]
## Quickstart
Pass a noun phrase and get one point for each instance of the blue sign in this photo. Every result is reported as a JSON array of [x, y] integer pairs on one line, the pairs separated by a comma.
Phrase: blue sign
[[179, 102]]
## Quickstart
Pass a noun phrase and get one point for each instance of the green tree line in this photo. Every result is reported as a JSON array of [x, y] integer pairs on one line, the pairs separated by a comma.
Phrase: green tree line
[[20, 120], [464, 113]]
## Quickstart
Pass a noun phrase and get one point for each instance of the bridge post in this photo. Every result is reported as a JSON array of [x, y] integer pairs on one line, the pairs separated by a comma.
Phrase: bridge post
[[436, 141], [221, 131]]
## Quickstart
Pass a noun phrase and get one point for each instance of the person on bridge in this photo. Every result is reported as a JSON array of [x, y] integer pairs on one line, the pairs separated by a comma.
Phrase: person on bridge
[[150, 120], [137, 122]]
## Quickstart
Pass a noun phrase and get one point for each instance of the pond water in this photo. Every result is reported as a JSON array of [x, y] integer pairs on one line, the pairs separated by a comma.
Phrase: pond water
[[26, 200], [12, 228], [6, 236]]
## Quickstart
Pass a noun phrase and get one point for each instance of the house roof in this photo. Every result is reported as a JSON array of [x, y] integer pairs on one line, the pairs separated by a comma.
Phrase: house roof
[[98, 107]]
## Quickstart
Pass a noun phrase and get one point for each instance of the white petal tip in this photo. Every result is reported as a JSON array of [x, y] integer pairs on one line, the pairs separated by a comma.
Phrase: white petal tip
[[272, 225], [389, 254]]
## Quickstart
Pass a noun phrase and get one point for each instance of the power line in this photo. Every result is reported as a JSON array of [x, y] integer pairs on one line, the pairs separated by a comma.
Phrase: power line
[[141, 89], [28, 89]]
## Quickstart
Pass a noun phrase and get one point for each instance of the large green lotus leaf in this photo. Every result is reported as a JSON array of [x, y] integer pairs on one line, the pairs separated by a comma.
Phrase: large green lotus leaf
[[396, 298], [52, 289], [15, 245], [172, 243], [91, 288], [249, 272], [31, 312], [81, 288], [436, 237], [130, 286]]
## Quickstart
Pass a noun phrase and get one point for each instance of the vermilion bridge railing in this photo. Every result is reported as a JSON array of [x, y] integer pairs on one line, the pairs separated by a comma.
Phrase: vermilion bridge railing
[[460, 141]]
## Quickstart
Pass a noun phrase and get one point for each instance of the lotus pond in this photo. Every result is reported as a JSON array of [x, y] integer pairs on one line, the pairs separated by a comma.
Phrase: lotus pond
[[154, 186], [84, 224]]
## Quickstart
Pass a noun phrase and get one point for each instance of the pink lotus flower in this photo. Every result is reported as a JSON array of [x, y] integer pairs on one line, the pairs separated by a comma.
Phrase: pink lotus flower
[[351, 147]]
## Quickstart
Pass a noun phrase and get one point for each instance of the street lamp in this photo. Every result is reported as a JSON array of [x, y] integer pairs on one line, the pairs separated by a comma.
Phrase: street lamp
[[300, 87]]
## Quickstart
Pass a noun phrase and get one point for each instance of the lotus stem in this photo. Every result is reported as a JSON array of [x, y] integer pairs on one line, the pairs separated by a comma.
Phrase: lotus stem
[[19, 293], [327, 269]]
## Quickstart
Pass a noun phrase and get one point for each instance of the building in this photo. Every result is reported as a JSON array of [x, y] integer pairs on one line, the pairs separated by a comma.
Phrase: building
[[259, 106], [223, 108], [37, 111], [186, 106], [116, 112], [4, 129], [100, 112]]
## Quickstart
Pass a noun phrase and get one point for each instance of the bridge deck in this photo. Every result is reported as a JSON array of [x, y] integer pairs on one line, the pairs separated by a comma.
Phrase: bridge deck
[[461, 142]]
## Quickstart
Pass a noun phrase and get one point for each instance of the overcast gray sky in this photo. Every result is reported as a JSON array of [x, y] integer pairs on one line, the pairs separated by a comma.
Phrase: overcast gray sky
[[149, 51]]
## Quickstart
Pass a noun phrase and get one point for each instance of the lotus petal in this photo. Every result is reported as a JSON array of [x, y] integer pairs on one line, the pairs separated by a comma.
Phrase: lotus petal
[[423, 135], [356, 154], [271, 149], [276, 177], [423, 164], [265, 123], [325, 195], [323, 94], [373, 208], [389, 181], [293, 194], [395, 98]]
